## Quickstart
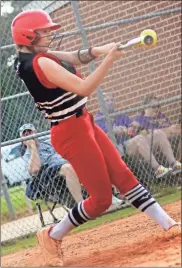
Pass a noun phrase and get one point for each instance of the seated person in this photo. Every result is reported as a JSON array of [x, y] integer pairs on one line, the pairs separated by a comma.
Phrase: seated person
[[40, 153], [135, 145], [178, 151], [153, 118]]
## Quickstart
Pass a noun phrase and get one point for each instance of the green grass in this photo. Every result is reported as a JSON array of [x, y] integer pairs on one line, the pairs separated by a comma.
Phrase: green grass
[[31, 240], [17, 195], [19, 245]]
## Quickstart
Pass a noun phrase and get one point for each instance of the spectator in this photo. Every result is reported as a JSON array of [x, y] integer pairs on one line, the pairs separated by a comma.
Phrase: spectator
[[172, 131], [153, 119], [139, 144], [41, 153], [178, 151]]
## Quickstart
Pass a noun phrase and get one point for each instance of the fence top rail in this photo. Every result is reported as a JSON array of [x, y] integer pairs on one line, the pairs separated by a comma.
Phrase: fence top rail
[[37, 135], [112, 24], [113, 115], [15, 96], [142, 107]]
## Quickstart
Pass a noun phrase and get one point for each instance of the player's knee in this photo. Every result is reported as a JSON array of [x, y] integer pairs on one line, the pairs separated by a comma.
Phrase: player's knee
[[159, 134], [65, 169], [140, 140]]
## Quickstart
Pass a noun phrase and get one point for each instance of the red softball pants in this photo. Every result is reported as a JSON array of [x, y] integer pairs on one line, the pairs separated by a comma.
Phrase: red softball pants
[[95, 160]]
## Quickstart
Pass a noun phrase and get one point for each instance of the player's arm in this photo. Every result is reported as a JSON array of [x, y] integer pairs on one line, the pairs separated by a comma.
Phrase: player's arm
[[34, 162], [136, 128], [172, 130], [62, 78], [83, 56]]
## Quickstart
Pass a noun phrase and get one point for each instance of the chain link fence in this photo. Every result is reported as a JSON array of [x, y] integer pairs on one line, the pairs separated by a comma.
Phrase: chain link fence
[[145, 129]]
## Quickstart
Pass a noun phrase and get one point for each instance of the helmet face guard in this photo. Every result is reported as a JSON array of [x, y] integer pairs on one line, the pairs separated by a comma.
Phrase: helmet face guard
[[26, 23], [52, 44]]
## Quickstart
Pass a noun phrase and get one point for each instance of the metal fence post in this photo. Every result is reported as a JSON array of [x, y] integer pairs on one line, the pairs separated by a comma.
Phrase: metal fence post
[[92, 69], [7, 197], [27, 200]]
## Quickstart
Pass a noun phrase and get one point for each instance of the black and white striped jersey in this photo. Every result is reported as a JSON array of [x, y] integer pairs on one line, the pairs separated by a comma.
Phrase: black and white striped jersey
[[56, 103]]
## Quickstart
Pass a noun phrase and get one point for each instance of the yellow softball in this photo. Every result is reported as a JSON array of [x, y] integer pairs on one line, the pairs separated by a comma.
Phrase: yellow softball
[[148, 38]]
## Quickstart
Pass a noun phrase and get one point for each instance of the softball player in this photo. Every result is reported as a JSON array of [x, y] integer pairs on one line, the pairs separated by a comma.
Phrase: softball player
[[60, 92]]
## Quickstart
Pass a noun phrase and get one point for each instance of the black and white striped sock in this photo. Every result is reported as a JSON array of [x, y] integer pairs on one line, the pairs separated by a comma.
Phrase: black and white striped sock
[[78, 215], [75, 217], [140, 198]]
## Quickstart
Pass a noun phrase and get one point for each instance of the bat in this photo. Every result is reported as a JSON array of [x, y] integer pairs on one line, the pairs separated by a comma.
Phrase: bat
[[147, 38]]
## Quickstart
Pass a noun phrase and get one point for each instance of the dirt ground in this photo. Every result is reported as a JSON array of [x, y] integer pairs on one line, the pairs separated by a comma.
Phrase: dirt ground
[[135, 242]]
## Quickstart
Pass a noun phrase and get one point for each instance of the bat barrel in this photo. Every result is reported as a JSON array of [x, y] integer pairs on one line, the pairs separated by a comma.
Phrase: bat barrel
[[147, 38]]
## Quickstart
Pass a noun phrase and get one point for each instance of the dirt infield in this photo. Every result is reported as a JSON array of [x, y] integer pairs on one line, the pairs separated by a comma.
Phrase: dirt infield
[[134, 241]]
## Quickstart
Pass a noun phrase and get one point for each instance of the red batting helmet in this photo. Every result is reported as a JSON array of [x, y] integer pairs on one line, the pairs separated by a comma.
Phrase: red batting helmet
[[26, 23]]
